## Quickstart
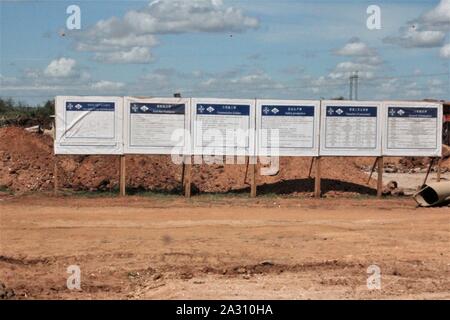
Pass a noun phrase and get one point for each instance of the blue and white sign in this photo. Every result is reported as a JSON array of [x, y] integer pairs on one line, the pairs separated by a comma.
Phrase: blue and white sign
[[157, 108], [412, 129], [351, 112], [89, 106], [223, 109], [88, 125], [350, 128], [157, 126], [223, 127], [287, 127]]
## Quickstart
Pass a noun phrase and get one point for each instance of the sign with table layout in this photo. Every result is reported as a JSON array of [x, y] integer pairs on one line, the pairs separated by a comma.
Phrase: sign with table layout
[[246, 127], [287, 127], [88, 125], [157, 126], [350, 128], [412, 129], [223, 126]]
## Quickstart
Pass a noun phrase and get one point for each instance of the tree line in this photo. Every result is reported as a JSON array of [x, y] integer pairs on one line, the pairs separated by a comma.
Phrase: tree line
[[21, 114]]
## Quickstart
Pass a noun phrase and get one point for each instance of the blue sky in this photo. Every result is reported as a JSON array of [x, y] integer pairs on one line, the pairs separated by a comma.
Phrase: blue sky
[[225, 48]]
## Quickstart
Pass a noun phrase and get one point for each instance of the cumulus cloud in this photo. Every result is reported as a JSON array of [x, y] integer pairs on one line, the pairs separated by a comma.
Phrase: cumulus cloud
[[107, 85], [426, 31], [130, 38], [116, 43], [438, 17], [445, 51], [248, 81], [60, 76], [413, 38], [180, 16], [355, 47], [364, 59], [134, 55], [60, 68]]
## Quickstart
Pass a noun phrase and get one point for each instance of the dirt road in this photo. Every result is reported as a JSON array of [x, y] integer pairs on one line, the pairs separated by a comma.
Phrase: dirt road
[[223, 247]]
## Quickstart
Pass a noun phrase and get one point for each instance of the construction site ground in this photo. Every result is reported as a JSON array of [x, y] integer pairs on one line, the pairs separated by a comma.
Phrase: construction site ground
[[160, 246]]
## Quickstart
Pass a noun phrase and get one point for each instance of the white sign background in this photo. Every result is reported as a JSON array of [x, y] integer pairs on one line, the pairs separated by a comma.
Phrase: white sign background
[[342, 134], [88, 125], [149, 132], [219, 122], [298, 130], [410, 133]]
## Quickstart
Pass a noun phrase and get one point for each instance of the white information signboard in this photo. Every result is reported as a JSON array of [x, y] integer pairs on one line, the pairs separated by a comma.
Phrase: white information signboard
[[350, 128], [157, 126], [88, 125], [223, 126], [412, 129], [287, 127]]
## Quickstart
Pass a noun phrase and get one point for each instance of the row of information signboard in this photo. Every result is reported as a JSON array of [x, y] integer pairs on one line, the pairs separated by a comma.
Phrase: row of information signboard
[[129, 125]]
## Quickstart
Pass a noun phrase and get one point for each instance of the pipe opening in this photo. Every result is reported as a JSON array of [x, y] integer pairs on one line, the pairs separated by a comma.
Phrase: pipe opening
[[429, 195]]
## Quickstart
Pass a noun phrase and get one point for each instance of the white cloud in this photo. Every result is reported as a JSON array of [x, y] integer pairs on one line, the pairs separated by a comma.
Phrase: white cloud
[[129, 39], [107, 85], [445, 51], [365, 60], [160, 79], [180, 16], [60, 68], [245, 82], [134, 55], [427, 31], [355, 47], [438, 17], [413, 38], [116, 43]]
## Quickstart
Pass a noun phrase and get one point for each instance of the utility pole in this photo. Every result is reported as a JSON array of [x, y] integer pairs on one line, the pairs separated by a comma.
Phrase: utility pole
[[350, 94], [353, 86]]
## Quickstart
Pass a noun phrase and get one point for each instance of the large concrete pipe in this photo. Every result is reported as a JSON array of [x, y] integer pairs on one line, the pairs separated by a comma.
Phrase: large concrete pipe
[[433, 194]]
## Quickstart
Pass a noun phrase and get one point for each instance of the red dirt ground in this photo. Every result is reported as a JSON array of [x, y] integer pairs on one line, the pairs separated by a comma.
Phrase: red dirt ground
[[223, 247], [26, 164]]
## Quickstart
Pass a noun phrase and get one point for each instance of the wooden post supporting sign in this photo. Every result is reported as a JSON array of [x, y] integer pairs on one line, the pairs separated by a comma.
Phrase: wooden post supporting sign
[[317, 179], [55, 176], [122, 177], [380, 177], [253, 177], [187, 179]]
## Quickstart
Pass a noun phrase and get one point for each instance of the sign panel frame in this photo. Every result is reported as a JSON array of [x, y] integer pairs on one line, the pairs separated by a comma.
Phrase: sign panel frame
[[278, 108], [421, 107], [248, 150], [151, 106], [364, 110], [74, 137]]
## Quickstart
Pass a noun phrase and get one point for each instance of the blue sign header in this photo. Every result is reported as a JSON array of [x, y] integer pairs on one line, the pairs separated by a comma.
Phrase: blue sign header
[[157, 108], [358, 111], [299, 111], [89, 106], [399, 112], [223, 109]]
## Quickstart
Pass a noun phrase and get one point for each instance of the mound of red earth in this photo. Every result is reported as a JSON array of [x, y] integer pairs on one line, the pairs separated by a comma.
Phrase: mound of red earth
[[6, 293], [27, 160], [407, 164]]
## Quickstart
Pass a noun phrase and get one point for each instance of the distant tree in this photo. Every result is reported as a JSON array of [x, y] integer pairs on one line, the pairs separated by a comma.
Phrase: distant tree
[[20, 113], [6, 105]]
